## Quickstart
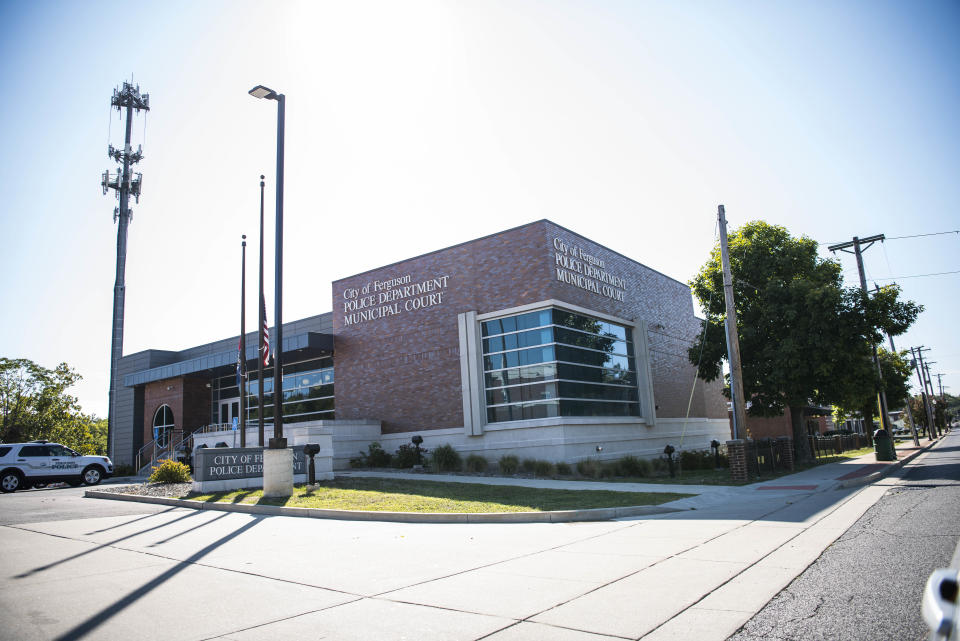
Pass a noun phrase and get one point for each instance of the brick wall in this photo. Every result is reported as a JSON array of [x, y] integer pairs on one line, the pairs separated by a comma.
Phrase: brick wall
[[166, 392], [402, 365]]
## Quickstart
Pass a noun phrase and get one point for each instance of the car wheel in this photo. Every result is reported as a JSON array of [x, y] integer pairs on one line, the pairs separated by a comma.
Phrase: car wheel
[[92, 475], [11, 482]]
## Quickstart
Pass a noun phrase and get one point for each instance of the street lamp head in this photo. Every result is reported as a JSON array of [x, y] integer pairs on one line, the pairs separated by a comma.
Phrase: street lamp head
[[263, 92]]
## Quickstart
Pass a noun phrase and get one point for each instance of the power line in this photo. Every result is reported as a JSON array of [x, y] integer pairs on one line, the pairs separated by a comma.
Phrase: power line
[[936, 233], [919, 275]]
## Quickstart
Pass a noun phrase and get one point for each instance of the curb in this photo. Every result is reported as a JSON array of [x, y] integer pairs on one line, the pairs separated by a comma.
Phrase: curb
[[564, 516], [876, 476]]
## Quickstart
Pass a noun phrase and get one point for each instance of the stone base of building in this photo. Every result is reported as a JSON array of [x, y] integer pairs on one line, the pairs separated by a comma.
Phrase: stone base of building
[[567, 440]]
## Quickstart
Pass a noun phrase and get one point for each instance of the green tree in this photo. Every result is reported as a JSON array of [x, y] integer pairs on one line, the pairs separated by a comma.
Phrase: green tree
[[801, 332], [858, 392], [34, 404]]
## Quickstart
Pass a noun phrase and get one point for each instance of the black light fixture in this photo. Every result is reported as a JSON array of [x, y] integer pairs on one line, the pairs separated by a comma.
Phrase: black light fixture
[[278, 442], [262, 92]]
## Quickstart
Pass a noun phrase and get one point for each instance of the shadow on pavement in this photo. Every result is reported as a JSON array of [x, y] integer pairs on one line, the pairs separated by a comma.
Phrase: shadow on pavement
[[141, 518], [99, 618], [48, 566]]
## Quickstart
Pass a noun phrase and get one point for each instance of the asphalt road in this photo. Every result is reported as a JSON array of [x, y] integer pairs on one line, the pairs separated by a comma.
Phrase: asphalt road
[[868, 585], [63, 502]]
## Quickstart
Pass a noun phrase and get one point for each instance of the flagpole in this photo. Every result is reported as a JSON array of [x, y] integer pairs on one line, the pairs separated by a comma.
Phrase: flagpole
[[242, 364], [263, 322]]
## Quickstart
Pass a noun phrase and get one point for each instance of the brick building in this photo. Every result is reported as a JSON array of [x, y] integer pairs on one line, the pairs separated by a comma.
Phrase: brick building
[[534, 341]]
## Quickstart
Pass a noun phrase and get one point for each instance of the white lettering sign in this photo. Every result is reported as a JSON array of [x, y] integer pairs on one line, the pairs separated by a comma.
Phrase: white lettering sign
[[383, 298], [576, 267]]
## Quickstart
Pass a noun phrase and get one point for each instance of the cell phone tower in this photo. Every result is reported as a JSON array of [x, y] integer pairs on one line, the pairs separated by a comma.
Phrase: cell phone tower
[[125, 183]]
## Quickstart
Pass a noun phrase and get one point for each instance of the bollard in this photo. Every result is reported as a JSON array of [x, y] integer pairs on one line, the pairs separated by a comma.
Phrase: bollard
[[417, 440], [669, 450], [311, 450]]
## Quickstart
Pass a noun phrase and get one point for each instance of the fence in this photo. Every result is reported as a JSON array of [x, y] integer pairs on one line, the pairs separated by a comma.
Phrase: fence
[[768, 455], [826, 446]]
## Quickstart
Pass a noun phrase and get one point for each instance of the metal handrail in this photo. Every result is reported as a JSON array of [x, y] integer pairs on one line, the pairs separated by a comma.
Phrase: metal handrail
[[158, 452]]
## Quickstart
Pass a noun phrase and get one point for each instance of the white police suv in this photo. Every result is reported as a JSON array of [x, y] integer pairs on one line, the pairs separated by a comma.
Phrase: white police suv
[[39, 463]]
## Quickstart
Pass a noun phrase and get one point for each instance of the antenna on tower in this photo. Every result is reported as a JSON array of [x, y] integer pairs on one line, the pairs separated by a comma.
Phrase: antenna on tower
[[125, 183]]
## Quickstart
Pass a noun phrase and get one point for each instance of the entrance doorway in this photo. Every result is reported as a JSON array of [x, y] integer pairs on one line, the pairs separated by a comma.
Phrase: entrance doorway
[[230, 410]]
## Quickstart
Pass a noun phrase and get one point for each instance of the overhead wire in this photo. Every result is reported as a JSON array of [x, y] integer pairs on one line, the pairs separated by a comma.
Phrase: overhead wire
[[921, 275]]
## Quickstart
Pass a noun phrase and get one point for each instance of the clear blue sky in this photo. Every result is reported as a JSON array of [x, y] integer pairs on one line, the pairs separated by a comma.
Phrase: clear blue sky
[[412, 126]]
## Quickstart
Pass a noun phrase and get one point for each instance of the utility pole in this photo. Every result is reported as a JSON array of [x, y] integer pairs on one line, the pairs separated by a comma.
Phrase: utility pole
[[913, 425], [918, 357], [125, 184], [858, 252], [932, 395], [733, 339]]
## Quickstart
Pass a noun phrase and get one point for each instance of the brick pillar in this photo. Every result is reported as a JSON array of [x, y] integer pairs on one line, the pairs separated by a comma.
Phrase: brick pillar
[[737, 453], [786, 446]]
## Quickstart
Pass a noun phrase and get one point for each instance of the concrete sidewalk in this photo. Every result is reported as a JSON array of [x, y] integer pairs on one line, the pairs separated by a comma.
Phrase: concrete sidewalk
[[193, 575]]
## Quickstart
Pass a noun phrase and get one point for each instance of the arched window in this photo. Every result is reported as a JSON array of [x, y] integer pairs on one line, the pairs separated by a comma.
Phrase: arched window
[[162, 425]]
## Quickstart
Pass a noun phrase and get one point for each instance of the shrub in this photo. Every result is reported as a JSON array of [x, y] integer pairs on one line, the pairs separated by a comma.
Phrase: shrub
[[528, 465], [375, 456], [608, 469], [446, 459], [696, 460], [634, 466], [406, 456], [588, 467], [543, 468], [508, 464], [170, 472], [564, 469], [476, 463], [659, 465]]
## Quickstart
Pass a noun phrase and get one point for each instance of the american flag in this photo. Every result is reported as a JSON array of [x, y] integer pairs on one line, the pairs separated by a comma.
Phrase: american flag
[[266, 333], [240, 371]]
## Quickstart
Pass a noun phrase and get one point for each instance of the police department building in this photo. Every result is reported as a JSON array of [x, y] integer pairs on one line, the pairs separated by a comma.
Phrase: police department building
[[534, 341]]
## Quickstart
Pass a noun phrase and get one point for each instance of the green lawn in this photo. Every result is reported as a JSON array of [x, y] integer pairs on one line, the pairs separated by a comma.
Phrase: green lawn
[[402, 495]]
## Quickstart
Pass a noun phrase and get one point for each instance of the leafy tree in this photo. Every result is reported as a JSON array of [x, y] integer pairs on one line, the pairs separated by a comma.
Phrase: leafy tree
[[803, 336], [861, 384], [34, 404]]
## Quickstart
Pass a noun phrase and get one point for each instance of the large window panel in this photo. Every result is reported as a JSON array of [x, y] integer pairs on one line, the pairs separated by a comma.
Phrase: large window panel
[[590, 359]]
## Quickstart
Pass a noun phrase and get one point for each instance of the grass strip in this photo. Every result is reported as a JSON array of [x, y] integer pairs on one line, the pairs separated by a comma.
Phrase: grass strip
[[402, 495]]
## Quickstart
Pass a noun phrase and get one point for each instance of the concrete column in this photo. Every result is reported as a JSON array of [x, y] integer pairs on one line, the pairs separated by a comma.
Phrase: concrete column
[[737, 453], [471, 374], [278, 472]]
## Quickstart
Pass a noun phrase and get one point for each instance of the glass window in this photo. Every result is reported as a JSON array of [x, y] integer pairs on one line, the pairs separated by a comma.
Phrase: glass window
[[34, 450], [59, 450], [590, 359], [308, 393], [162, 425]]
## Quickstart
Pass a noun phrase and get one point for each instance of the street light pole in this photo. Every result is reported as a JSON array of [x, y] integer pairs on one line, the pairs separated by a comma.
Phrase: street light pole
[[278, 441], [277, 458]]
